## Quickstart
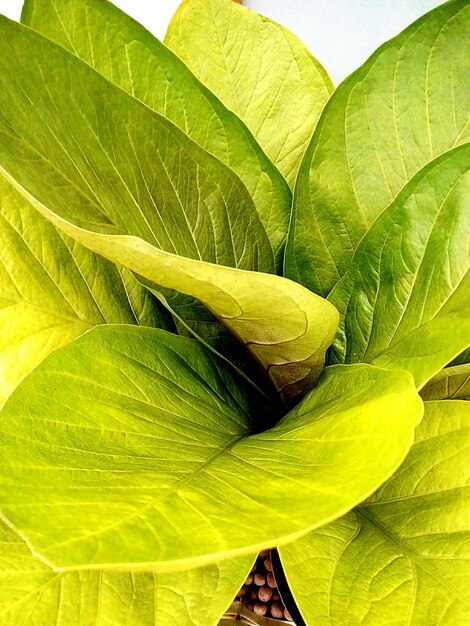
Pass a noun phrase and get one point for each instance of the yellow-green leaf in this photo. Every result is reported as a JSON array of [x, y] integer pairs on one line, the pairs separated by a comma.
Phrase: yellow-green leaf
[[449, 383], [133, 448], [33, 593], [403, 108], [405, 301], [129, 56], [161, 205], [52, 290], [258, 69], [402, 556]]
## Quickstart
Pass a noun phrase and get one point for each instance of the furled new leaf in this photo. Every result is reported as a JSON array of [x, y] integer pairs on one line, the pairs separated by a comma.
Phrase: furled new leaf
[[52, 290], [404, 107], [259, 70], [129, 56], [133, 447], [402, 556], [150, 199], [450, 382], [405, 301], [31, 592]]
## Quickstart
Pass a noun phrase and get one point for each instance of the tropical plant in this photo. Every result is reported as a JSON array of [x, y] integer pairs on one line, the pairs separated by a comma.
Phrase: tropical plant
[[185, 231]]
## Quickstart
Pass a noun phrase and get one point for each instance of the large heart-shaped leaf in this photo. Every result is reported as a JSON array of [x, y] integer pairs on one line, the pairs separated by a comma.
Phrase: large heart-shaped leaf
[[158, 195], [129, 56], [32, 592], [405, 106], [133, 447], [52, 290], [258, 69], [402, 556], [449, 383], [405, 301]]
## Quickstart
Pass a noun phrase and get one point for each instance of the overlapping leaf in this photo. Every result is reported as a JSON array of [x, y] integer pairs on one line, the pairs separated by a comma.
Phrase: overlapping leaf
[[134, 448], [52, 290], [31, 592], [402, 556], [129, 56], [145, 194], [404, 107], [462, 359], [258, 69], [405, 301], [449, 383], [141, 174]]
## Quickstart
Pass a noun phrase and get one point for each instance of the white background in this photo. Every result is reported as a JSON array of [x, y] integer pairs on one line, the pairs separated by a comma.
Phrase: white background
[[340, 33]]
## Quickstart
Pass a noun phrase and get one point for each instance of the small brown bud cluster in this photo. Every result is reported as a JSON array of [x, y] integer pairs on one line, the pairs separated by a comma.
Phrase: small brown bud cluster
[[259, 593]]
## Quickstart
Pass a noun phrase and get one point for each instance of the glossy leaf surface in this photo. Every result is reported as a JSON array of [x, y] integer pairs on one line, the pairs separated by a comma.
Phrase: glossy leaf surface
[[141, 175], [401, 557], [136, 448], [404, 107]]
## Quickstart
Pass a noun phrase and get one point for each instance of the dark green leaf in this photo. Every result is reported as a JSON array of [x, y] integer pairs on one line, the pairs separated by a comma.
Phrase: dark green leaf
[[405, 300], [404, 107]]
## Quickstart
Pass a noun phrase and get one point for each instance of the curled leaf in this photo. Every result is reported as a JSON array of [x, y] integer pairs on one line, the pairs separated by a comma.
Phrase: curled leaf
[[142, 213]]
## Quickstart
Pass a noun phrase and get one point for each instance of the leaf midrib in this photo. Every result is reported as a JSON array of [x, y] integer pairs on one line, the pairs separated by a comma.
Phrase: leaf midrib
[[393, 340], [52, 313], [182, 483]]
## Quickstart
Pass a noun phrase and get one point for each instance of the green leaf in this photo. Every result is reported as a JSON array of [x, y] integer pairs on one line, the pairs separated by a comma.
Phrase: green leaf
[[204, 327], [405, 300], [462, 359], [258, 69], [129, 56], [153, 181], [133, 447], [404, 107], [147, 310], [52, 290], [402, 556], [31, 592], [158, 196], [449, 383]]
